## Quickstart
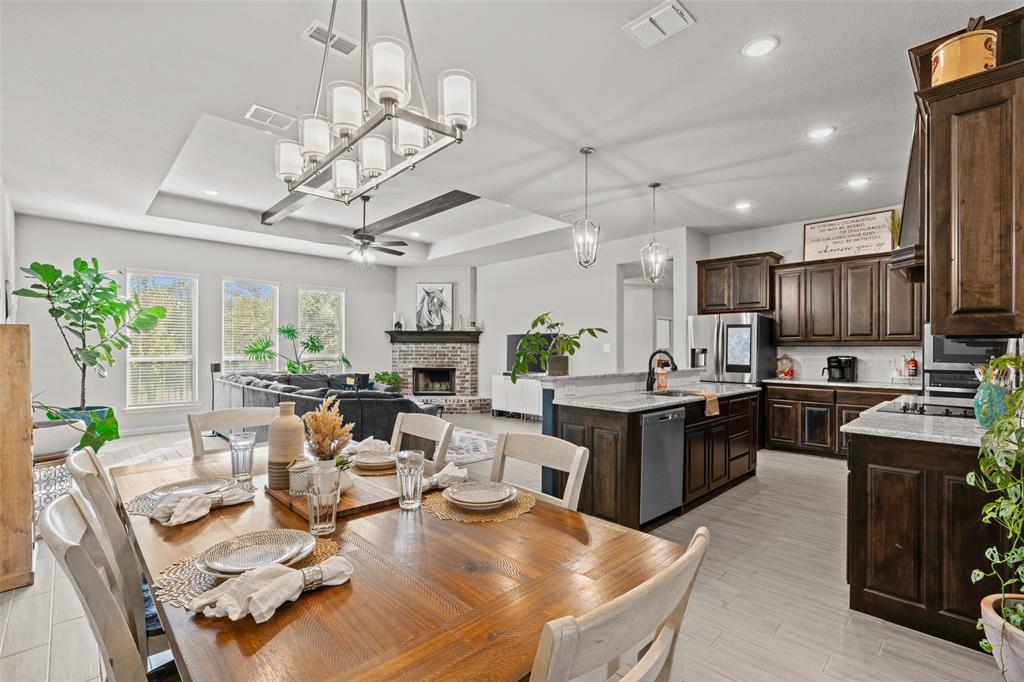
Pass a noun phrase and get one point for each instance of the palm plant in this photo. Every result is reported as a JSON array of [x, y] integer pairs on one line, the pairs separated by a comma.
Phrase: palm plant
[[262, 350]]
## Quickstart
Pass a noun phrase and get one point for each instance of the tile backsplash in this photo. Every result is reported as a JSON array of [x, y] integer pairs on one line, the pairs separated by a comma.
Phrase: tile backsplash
[[874, 363]]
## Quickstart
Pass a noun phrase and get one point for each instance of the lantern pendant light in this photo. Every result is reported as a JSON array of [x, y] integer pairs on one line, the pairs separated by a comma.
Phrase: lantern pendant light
[[654, 256], [585, 232]]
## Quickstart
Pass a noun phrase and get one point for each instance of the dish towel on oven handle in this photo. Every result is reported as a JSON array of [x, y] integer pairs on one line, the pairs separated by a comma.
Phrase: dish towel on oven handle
[[174, 510]]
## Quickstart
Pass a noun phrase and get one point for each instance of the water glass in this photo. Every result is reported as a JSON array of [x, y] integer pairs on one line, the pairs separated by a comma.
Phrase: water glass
[[409, 468], [242, 446], [322, 491]]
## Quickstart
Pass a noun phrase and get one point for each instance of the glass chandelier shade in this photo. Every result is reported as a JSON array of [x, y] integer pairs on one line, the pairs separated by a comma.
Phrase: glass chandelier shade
[[390, 69], [364, 255], [374, 154], [345, 102], [314, 137], [652, 259], [409, 138], [456, 98], [585, 234], [345, 176], [287, 160]]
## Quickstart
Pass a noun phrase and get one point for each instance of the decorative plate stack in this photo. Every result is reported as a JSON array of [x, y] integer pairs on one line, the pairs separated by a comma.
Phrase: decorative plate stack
[[233, 557], [480, 495]]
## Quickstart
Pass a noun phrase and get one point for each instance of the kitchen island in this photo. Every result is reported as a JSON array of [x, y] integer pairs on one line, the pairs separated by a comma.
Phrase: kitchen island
[[914, 524], [704, 454]]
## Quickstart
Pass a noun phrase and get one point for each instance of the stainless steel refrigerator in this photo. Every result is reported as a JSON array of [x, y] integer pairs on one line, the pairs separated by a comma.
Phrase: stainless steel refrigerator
[[734, 348]]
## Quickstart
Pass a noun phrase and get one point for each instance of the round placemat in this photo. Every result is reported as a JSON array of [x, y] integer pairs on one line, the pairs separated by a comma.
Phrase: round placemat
[[443, 509], [182, 581], [359, 471], [142, 505]]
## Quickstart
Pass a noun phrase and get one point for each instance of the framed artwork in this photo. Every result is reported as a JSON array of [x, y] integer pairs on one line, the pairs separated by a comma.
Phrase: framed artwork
[[433, 306], [856, 235]]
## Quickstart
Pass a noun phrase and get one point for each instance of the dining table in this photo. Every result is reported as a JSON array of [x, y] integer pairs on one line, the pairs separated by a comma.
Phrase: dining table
[[428, 599]]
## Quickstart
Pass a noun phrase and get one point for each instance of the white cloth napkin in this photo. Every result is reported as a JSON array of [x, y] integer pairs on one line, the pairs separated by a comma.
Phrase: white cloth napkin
[[369, 446], [174, 510], [447, 476], [260, 591]]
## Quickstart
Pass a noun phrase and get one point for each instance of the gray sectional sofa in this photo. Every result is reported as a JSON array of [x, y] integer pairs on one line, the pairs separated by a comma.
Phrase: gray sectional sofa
[[371, 409]]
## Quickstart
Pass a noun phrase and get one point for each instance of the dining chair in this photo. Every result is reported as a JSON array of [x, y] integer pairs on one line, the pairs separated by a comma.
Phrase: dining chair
[[224, 420], [640, 627], [139, 609], [68, 527], [426, 427], [547, 451]]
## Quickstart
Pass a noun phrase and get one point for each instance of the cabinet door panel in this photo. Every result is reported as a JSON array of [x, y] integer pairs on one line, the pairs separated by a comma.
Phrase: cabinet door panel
[[783, 423], [719, 455], [715, 287], [604, 470], [899, 310], [750, 289], [696, 464], [859, 310], [895, 534], [789, 304], [844, 415], [817, 431], [822, 319]]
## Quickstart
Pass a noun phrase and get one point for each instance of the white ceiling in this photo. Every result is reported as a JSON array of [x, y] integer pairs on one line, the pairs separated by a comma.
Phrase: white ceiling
[[136, 110]]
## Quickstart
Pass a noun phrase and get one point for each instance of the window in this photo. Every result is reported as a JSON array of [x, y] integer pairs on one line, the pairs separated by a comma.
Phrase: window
[[322, 313], [250, 312], [162, 362]]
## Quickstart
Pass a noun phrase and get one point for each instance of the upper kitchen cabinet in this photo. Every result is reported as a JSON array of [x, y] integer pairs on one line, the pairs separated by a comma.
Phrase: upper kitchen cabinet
[[736, 284]]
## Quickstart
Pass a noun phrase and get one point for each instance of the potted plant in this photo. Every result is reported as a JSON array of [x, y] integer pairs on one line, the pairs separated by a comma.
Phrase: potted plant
[[94, 321], [550, 347], [1001, 473], [262, 350], [392, 379]]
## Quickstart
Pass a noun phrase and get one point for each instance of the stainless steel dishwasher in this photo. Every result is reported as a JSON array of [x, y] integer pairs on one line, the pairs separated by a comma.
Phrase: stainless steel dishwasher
[[661, 462]]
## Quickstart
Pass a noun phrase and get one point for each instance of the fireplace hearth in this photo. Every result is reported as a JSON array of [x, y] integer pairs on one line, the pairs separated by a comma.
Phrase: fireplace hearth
[[433, 381]]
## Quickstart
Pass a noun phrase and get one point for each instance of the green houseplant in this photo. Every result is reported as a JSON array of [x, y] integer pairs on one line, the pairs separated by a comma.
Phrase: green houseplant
[[94, 320], [262, 350], [1001, 473], [549, 346], [392, 379]]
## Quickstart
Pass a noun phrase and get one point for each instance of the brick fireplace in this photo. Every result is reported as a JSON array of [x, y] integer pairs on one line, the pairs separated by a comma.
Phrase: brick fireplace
[[440, 368]]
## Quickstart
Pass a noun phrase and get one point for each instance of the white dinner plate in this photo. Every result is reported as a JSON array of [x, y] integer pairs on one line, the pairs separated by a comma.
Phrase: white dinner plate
[[252, 550], [374, 460], [193, 486], [480, 492], [487, 506]]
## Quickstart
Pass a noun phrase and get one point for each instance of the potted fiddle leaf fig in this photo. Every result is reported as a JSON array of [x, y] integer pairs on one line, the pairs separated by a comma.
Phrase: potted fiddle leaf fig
[[547, 345], [262, 350], [1001, 474], [94, 320]]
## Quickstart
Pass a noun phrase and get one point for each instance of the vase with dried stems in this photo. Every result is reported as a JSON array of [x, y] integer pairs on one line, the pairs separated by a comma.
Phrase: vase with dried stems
[[327, 434]]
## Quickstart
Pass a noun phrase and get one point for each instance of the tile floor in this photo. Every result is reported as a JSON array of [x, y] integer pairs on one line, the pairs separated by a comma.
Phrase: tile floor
[[769, 604]]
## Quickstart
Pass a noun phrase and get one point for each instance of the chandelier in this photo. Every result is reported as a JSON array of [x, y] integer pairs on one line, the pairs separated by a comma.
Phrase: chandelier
[[345, 151], [654, 256], [585, 232]]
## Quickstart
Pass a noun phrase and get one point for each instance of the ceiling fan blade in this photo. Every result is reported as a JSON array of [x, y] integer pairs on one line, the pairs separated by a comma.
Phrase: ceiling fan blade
[[386, 250], [397, 242], [351, 239]]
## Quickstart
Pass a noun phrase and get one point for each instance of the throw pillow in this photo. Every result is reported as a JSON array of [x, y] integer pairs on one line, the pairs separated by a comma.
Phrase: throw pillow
[[385, 395], [313, 392], [308, 380], [245, 380], [282, 388], [260, 383]]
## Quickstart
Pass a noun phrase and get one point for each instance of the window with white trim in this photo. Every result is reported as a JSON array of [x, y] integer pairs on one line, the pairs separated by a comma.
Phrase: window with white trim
[[162, 362], [322, 313], [250, 313]]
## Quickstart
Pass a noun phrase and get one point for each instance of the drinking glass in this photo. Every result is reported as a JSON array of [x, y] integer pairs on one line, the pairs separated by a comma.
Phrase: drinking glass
[[322, 490], [242, 446], [409, 467]]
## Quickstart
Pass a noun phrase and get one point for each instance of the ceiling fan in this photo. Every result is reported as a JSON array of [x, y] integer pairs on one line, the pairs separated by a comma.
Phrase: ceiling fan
[[365, 244]]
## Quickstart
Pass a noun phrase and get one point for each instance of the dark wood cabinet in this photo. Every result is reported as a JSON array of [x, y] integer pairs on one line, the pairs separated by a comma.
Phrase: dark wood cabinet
[[605, 491], [844, 415], [860, 306], [783, 423], [900, 306], [822, 320], [789, 303], [817, 430], [696, 474], [975, 203], [718, 454], [720, 449], [736, 284]]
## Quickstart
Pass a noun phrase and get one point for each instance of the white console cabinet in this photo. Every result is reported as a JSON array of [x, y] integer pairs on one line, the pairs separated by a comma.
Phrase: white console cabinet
[[522, 397]]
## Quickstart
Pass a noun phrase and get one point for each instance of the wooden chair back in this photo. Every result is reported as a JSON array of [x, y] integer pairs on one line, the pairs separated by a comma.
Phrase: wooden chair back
[[225, 420], [570, 647], [547, 451], [423, 426], [90, 478], [66, 528]]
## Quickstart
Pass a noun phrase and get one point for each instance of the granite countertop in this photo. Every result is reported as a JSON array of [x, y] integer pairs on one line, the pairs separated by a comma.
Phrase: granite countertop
[[643, 402], [916, 386], [626, 376], [948, 430]]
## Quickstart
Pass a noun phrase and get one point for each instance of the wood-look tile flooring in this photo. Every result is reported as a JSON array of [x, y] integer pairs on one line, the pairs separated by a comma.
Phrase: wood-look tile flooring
[[770, 602]]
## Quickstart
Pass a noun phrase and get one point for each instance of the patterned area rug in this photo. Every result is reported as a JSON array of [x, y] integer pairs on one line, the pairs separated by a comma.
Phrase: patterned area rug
[[468, 446]]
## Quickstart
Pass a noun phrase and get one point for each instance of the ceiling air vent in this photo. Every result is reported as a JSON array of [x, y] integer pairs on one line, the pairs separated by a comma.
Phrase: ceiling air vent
[[343, 44], [269, 117], [663, 21]]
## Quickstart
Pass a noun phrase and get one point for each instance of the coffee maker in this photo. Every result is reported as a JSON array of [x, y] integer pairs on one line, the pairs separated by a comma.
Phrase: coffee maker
[[841, 368]]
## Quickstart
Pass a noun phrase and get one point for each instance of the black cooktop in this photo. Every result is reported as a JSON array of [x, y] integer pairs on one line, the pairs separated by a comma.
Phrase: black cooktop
[[909, 405]]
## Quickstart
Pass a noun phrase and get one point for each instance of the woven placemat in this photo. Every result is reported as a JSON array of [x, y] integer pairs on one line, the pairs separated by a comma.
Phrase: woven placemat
[[359, 471], [443, 509], [181, 582], [142, 505]]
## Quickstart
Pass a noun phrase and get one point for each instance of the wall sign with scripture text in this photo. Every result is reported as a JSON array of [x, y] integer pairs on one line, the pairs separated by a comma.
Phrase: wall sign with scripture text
[[856, 235]]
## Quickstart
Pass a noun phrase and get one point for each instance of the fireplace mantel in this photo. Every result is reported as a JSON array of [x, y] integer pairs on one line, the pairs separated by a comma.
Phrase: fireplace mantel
[[403, 336]]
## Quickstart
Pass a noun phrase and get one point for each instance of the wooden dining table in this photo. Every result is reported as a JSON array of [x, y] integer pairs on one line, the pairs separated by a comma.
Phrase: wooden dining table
[[429, 598]]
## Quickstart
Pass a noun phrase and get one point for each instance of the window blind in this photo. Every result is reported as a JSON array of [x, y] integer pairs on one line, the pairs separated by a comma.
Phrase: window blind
[[162, 361], [250, 312], [322, 313]]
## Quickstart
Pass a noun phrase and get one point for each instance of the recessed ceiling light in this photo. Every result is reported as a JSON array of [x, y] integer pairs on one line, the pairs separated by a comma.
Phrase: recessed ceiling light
[[743, 205], [415, 234], [857, 182], [820, 133], [759, 47], [210, 192]]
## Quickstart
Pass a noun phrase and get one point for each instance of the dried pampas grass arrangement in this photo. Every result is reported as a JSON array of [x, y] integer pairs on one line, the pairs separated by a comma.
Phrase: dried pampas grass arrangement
[[326, 433]]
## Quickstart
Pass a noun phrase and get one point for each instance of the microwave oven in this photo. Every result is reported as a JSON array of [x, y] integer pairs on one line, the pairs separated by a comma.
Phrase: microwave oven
[[961, 354]]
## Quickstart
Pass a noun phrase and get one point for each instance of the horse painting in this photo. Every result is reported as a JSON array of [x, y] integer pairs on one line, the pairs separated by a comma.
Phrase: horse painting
[[434, 307]]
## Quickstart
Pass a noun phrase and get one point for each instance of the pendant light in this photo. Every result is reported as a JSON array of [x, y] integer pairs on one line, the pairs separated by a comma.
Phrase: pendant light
[[585, 232], [654, 255]]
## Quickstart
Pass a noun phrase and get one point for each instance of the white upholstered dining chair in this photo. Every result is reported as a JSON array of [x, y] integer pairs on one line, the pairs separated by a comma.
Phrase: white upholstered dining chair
[[225, 420], [571, 647], [425, 426], [127, 581], [547, 451]]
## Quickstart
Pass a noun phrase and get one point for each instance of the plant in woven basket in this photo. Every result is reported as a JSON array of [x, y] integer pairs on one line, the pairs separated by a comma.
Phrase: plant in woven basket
[[327, 434]]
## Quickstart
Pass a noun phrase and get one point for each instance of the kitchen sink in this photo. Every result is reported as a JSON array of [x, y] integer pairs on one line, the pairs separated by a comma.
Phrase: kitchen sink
[[673, 393]]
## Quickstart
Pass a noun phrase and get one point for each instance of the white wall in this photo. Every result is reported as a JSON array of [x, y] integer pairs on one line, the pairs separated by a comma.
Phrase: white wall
[[463, 291], [638, 327], [370, 295], [8, 266]]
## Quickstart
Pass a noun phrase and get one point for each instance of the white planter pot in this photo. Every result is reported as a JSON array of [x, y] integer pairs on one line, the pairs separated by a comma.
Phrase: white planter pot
[[1006, 640], [327, 467], [56, 437]]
